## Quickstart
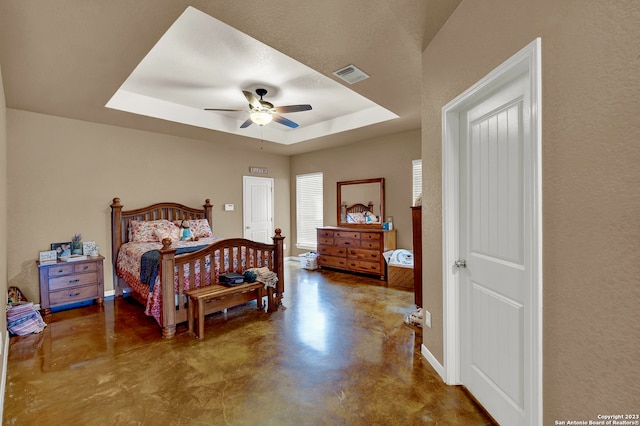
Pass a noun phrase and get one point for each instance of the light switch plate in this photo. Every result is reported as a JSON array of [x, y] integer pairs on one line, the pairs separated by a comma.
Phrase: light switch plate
[[228, 207]]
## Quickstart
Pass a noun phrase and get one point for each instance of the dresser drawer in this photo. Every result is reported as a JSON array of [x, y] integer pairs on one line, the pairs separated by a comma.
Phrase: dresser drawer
[[324, 233], [333, 262], [347, 242], [74, 294], [370, 244], [370, 236], [364, 266], [325, 240], [332, 251], [361, 254], [85, 267], [72, 281], [60, 269], [348, 234]]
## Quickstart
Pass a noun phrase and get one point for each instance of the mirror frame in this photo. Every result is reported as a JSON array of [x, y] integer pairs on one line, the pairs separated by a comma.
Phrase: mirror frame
[[359, 182]]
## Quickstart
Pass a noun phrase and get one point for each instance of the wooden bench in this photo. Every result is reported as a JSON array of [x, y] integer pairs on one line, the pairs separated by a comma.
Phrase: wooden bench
[[214, 298]]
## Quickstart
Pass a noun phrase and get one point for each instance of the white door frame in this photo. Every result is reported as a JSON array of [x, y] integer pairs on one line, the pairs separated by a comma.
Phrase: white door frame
[[527, 60]]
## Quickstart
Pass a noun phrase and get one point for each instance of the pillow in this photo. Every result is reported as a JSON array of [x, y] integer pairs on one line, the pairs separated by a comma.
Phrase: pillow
[[145, 231], [199, 227], [172, 232]]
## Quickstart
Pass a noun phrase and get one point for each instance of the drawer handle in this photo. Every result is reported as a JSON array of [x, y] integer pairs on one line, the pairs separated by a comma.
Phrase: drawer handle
[[346, 243], [74, 294], [85, 267], [74, 281], [60, 271]]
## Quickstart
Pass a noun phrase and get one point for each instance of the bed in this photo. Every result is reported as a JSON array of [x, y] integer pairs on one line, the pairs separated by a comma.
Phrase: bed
[[360, 213], [155, 268]]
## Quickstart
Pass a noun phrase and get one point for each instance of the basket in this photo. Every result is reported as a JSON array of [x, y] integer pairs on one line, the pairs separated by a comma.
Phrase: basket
[[309, 260]]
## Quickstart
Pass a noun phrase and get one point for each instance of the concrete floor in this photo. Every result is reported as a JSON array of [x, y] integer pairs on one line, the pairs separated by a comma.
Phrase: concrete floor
[[337, 354]]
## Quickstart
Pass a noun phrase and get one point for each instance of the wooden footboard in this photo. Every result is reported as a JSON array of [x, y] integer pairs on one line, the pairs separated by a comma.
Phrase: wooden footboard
[[228, 255]]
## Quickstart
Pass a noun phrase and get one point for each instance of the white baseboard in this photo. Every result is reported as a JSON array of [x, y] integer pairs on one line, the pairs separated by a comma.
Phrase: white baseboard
[[434, 362], [4, 355]]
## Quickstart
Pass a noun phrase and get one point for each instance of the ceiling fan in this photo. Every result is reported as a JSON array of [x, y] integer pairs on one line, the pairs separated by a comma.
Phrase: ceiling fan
[[262, 112]]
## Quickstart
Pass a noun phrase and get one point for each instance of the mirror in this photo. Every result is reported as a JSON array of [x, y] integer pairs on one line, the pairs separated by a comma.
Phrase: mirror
[[361, 203]]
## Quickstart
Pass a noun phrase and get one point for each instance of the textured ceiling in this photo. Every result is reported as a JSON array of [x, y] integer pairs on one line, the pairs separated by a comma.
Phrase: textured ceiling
[[69, 57]]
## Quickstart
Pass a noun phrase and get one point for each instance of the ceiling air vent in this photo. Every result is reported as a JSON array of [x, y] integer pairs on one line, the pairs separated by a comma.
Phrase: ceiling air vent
[[351, 74]]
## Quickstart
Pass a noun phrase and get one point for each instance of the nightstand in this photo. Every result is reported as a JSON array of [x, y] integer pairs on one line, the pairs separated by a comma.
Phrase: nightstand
[[63, 283]]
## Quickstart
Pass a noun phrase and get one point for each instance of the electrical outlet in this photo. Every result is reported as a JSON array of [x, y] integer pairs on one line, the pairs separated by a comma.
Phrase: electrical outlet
[[427, 318]]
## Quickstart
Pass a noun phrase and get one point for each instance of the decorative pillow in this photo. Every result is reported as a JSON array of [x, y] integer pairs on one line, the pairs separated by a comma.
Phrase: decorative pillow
[[199, 227], [355, 218], [172, 232], [145, 231]]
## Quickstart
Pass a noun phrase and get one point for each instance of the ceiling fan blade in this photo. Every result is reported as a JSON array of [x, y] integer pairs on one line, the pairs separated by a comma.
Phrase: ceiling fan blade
[[284, 121], [253, 101], [223, 109], [292, 108], [246, 123]]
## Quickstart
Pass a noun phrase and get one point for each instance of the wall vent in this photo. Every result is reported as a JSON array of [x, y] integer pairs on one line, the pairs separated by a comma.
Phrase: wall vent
[[351, 74]]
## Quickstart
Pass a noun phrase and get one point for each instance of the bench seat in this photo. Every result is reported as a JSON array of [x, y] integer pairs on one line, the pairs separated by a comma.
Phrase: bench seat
[[214, 298]]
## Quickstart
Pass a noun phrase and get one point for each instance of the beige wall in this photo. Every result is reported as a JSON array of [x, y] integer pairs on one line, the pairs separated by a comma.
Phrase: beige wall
[[388, 157], [64, 173], [591, 185], [3, 211]]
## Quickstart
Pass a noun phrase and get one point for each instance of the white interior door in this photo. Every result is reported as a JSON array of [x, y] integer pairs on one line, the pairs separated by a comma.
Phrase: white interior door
[[258, 208], [492, 240]]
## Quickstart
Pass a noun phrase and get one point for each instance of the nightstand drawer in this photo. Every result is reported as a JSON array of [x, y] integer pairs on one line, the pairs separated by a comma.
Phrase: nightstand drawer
[[85, 267], [60, 269], [74, 294], [72, 281]]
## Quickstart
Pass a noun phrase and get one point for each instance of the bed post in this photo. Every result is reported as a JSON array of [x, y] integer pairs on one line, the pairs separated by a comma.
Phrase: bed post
[[167, 262], [208, 211], [116, 241], [278, 259]]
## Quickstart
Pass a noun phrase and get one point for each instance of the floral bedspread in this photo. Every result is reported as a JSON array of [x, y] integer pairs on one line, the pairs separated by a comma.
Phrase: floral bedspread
[[128, 268]]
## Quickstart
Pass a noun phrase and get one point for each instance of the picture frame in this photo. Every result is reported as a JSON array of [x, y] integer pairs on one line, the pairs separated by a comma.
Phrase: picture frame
[[47, 257], [88, 248], [62, 249]]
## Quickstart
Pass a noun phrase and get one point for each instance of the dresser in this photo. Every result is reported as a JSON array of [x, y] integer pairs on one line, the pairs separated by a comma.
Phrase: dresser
[[355, 250], [63, 283]]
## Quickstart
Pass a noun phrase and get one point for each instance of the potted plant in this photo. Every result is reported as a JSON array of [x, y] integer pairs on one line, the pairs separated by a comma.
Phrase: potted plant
[[76, 244]]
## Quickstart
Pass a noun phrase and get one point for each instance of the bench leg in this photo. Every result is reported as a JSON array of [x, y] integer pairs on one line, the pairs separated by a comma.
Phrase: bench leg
[[259, 296], [200, 318], [190, 314]]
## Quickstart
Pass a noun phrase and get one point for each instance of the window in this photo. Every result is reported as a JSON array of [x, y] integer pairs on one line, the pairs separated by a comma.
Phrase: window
[[309, 209], [417, 180]]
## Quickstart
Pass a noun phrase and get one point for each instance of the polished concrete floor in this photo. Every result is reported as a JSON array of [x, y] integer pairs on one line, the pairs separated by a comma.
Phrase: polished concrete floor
[[339, 354]]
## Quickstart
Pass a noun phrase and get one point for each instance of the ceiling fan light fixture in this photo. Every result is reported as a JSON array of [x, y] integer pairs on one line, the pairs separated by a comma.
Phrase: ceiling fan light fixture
[[261, 117]]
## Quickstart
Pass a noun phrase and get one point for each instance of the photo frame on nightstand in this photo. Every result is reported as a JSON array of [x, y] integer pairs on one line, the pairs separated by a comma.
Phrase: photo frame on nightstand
[[62, 249], [49, 256], [88, 248]]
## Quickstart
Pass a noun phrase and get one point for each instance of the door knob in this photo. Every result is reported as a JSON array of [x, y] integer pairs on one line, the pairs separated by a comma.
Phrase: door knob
[[462, 263]]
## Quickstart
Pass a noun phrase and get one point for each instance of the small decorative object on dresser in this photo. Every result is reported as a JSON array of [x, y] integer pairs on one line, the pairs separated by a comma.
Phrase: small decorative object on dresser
[[76, 244], [62, 249], [88, 248], [63, 283], [48, 257]]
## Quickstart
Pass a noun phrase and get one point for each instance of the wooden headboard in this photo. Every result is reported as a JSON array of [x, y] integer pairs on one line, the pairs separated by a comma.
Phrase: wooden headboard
[[171, 211], [360, 208]]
